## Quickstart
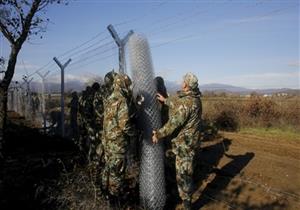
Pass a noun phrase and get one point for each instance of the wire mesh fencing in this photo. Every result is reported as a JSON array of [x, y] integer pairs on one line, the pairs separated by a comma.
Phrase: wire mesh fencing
[[152, 178]]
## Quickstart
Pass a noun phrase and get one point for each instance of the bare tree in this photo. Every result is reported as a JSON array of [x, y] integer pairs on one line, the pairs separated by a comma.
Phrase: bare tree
[[19, 20]]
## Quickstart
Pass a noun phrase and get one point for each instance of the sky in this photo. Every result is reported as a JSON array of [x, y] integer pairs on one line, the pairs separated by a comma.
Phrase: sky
[[247, 43]]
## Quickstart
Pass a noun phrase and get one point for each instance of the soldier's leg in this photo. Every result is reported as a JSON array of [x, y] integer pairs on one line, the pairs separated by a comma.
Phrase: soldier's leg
[[184, 177], [1, 144], [117, 175], [105, 172], [99, 151], [92, 143]]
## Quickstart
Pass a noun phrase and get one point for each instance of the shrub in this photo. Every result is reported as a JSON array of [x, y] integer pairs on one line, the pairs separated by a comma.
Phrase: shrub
[[260, 111], [227, 121], [224, 114], [232, 113], [208, 130]]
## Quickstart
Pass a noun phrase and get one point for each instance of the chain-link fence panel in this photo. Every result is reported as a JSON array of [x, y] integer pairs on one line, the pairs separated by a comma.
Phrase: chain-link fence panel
[[152, 177]]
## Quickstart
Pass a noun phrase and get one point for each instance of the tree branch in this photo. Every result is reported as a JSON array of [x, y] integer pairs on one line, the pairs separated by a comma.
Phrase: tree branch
[[28, 21], [20, 11], [6, 33]]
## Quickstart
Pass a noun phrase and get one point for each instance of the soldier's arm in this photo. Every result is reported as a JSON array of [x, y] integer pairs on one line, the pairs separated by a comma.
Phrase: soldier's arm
[[123, 117], [176, 119], [98, 106]]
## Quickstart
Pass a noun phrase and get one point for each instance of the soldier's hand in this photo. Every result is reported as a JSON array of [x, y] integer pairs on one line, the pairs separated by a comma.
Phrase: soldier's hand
[[140, 99], [160, 98], [154, 137]]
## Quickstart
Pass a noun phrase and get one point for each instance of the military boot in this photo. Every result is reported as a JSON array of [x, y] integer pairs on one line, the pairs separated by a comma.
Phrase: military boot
[[114, 202], [187, 204]]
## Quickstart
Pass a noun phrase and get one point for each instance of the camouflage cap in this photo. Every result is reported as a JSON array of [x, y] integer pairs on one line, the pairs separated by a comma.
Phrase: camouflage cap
[[191, 80], [109, 77], [96, 86], [120, 80]]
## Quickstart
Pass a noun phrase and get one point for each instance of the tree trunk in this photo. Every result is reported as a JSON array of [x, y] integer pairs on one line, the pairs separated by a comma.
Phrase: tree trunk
[[4, 84], [3, 114]]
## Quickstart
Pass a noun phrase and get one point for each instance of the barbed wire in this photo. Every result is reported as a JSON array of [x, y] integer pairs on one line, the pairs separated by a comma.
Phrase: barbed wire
[[141, 17], [95, 60], [223, 27], [87, 58], [81, 52]]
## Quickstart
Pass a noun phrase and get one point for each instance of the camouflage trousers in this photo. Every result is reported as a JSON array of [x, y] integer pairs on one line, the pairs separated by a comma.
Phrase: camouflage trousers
[[184, 176], [91, 144], [113, 174], [1, 143]]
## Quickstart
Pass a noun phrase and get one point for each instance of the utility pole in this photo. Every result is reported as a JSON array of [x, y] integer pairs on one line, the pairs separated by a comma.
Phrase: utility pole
[[14, 97], [43, 77], [2, 73], [62, 90], [121, 45], [27, 81]]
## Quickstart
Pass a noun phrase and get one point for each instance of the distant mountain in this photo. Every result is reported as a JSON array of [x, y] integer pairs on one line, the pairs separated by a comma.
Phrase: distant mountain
[[173, 86], [78, 85], [223, 88], [218, 88]]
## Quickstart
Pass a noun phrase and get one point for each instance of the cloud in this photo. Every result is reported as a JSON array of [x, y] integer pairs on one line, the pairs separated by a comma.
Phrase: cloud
[[26, 67], [68, 77], [294, 63], [165, 72], [250, 19]]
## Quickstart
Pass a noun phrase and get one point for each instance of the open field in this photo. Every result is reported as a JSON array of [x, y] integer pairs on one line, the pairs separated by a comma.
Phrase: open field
[[254, 168]]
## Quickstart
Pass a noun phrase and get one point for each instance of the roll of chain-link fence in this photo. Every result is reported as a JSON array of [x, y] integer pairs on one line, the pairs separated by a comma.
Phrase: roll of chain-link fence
[[152, 177]]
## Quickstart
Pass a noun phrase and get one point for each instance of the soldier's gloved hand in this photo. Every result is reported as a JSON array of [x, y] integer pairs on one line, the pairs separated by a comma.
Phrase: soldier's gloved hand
[[154, 137], [140, 99]]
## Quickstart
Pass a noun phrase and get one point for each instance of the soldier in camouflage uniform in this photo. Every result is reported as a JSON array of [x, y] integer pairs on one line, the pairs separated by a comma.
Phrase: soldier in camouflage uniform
[[81, 121], [86, 115], [73, 116], [116, 127], [185, 120], [99, 100], [89, 121], [35, 105], [98, 111], [108, 83]]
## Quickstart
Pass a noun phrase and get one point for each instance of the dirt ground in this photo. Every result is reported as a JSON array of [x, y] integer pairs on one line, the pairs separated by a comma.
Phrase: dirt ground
[[234, 171], [246, 171]]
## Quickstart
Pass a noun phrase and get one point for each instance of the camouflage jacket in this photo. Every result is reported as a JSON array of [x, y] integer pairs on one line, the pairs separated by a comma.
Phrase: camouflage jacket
[[98, 108], [74, 106], [88, 109], [81, 113], [184, 122], [116, 123], [35, 102]]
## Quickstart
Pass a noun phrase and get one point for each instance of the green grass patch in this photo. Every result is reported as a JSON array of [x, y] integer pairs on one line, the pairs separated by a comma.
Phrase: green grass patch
[[283, 133]]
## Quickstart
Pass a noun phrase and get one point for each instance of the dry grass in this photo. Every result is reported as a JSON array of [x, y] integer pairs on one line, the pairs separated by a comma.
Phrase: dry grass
[[233, 113]]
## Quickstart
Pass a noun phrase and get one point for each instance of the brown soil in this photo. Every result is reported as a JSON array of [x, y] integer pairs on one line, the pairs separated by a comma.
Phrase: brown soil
[[248, 172]]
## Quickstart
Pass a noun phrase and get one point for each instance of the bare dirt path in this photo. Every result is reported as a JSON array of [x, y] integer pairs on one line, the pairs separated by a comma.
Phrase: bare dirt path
[[246, 171]]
